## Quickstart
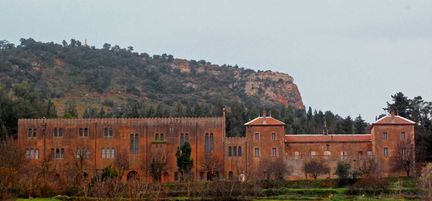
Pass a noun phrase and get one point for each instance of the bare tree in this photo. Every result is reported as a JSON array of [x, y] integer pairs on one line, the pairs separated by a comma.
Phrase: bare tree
[[315, 168], [212, 165], [11, 161], [121, 162], [274, 170], [77, 174], [403, 159]]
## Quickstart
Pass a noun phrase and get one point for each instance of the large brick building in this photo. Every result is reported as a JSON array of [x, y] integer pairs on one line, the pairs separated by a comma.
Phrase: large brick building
[[61, 141]]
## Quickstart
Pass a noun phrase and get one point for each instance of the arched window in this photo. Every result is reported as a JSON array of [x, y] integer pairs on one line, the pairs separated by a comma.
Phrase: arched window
[[206, 143], [211, 142], [229, 151], [239, 151]]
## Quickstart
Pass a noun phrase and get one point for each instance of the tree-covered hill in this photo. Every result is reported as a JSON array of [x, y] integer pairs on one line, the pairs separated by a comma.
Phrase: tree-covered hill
[[75, 80]]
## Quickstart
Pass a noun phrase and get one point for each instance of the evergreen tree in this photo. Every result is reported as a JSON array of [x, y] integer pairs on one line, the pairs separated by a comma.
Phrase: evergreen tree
[[51, 110], [400, 105], [184, 161], [360, 125], [70, 111]]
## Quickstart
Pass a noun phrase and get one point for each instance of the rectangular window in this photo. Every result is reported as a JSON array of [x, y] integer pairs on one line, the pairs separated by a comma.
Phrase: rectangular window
[[36, 154], [31, 132], [344, 155], [257, 136], [402, 136], [257, 152], [83, 132], [108, 132], [386, 152], [229, 151], [58, 132], [296, 155], [104, 153], [112, 153], [239, 151], [273, 136], [385, 135], [369, 154], [274, 152], [313, 154], [327, 155], [62, 152]]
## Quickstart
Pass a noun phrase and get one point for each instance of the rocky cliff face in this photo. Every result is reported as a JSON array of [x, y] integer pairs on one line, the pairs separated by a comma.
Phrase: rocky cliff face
[[111, 77]]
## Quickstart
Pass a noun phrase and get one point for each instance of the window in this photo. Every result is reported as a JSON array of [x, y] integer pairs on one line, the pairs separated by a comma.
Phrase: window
[[58, 132], [134, 143], [112, 152], [385, 135], [156, 136], [206, 143], [31, 153], [273, 136], [161, 137], [108, 132], [31, 132], [184, 137], [369, 154], [296, 155], [82, 153], [235, 151], [257, 152], [57, 153], [229, 151], [36, 155], [257, 136], [104, 153], [386, 151], [327, 155], [274, 152], [83, 132], [402, 136], [344, 155], [209, 142], [313, 154], [62, 153], [239, 151]]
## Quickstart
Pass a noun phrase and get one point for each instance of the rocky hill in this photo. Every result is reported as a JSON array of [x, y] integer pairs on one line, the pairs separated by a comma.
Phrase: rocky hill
[[113, 76]]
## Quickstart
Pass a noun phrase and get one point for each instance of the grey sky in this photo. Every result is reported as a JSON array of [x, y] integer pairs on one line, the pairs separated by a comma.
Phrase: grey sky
[[345, 56]]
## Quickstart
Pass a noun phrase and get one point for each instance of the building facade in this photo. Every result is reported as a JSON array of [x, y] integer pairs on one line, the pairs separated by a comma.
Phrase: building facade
[[141, 140]]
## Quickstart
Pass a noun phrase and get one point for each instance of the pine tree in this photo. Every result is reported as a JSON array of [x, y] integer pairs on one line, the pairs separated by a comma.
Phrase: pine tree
[[51, 110], [360, 125]]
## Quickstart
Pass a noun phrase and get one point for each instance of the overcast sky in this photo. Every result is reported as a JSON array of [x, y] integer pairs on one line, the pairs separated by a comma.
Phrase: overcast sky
[[345, 56]]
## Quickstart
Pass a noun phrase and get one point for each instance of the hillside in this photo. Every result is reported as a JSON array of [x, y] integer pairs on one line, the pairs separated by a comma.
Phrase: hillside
[[111, 77]]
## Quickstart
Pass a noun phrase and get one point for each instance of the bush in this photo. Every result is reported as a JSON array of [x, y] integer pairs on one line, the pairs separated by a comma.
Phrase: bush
[[369, 185]]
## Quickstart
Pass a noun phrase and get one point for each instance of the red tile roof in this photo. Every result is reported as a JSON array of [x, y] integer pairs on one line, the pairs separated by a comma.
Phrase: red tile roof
[[265, 121], [393, 120], [328, 138]]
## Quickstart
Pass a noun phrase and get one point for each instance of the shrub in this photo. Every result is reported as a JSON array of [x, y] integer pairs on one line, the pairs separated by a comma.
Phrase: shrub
[[426, 181], [369, 185]]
